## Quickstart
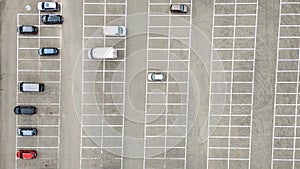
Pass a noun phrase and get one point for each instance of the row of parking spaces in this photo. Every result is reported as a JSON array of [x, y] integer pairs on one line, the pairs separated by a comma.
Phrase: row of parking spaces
[[285, 144], [33, 68], [102, 120], [231, 84], [168, 51]]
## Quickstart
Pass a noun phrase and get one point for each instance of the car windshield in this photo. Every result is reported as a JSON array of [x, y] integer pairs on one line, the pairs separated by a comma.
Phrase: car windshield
[[48, 51], [120, 30], [182, 7], [153, 76]]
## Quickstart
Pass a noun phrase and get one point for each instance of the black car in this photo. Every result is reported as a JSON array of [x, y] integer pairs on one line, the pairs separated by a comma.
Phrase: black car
[[52, 19], [27, 29], [48, 51], [27, 110]]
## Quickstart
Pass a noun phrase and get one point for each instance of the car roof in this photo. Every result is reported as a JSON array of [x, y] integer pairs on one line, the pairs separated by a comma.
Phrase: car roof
[[26, 155], [50, 5], [158, 75], [49, 50], [27, 132], [27, 28]]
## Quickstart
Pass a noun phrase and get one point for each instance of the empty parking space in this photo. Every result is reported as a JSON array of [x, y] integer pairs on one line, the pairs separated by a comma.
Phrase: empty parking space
[[285, 122], [231, 84]]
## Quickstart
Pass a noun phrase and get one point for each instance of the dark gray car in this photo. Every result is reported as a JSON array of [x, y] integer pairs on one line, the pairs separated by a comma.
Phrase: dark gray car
[[48, 51], [26, 110], [27, 29], [52, 19]]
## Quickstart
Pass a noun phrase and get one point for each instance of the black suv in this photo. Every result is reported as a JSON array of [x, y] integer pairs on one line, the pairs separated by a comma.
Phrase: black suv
[[27, 29], [27, 110], [52, 19]]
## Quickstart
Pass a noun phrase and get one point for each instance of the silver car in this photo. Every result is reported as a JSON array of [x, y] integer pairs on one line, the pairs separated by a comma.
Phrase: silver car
[[27, 131]]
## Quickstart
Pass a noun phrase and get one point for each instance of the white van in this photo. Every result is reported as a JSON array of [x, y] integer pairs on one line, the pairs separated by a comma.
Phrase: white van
[[31, 87], [114, 31], [102, 53]]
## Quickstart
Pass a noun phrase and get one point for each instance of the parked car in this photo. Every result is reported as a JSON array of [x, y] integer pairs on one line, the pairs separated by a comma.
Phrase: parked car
[[160, 76], [26, 154], [26, 110], [48, 6], [27, 131], [179, 8], [48, 51], [27, 29], [52, 19], [114, 31], [31, 87]]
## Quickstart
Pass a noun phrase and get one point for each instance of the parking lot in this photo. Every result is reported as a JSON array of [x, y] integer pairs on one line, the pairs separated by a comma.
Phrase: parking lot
[[33, 68], [232, 81], [108, 114]]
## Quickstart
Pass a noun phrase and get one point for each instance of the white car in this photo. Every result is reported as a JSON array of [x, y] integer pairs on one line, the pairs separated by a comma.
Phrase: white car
[[179, 8], [160, 76], [114, 31], [48, 6]]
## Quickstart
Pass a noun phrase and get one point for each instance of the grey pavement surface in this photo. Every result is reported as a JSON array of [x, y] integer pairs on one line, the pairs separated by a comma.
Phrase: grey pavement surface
[[230, 100]]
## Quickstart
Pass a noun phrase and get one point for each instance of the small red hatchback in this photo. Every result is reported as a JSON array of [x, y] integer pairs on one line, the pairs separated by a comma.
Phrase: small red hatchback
[[26, 154]]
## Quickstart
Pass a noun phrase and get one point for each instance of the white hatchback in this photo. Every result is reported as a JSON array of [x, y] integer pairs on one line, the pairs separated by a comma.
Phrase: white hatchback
[[159, 76]]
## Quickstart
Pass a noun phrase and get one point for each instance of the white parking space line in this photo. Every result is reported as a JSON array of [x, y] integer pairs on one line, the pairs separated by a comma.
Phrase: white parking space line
[[235, 14], [278, 119], [38, 147], [104, 15], [50, 26], [237, 3], [38, 125], [168, 90], [22, 59], [231, 123], [27, 48], [35, 37], [153, 26], [237, 26], [105, 3], [103, 72], [161, 3]]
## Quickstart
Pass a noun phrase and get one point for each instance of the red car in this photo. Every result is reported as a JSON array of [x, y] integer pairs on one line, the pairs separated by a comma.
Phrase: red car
[[26, 154]]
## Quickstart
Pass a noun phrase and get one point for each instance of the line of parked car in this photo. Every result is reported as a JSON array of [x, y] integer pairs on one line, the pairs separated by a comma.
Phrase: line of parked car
[[34, 86]]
